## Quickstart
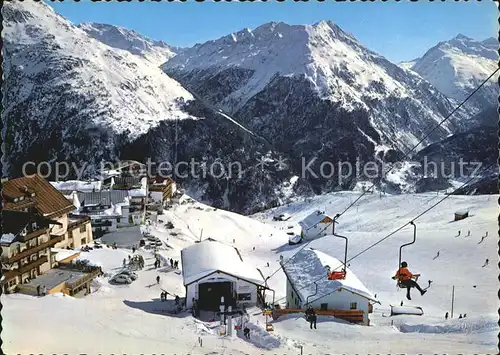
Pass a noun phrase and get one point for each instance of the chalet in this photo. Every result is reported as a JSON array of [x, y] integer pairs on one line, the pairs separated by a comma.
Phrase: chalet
[[33, 193], [317, 224], [126, 183], [305, 287], [26, 247], [212, 270], [459, 215], [108, 210], [162, 190]]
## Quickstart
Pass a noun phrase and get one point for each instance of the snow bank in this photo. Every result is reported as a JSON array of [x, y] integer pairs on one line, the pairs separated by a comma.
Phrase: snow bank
[[107, 258], [260, 338], [464, 325]]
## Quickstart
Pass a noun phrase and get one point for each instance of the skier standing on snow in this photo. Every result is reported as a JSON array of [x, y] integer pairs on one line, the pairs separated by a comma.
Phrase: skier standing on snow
[[172, 263], [311, 317], [158, 279], [405, 278], [246, 332], [446, 315]]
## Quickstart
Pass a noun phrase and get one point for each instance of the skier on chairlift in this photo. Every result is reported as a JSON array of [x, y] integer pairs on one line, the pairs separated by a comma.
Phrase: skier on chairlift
[[405, 278]]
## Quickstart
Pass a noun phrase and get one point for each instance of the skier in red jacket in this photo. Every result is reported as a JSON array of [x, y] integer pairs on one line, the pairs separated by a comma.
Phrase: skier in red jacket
[[405, 278]]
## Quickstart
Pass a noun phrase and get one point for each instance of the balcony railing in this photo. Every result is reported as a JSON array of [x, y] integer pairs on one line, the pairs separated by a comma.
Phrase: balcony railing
[[33, 234], [27, 252], [32, 264], [25, 268]]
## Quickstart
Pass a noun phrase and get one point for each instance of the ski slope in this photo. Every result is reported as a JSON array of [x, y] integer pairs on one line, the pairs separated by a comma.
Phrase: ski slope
[[130, 318]]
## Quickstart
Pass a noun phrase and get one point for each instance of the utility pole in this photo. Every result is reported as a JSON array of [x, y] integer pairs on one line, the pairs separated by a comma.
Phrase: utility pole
[[452, 300], [201, 234]]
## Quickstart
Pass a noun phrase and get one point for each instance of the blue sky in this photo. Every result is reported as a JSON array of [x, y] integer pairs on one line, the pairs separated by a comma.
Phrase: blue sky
[[399, 31]]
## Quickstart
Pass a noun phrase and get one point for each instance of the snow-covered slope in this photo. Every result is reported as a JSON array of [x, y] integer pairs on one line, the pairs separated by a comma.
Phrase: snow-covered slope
[[157, 52], [241, 71], [67, 94], [456, 67], [131, 318]]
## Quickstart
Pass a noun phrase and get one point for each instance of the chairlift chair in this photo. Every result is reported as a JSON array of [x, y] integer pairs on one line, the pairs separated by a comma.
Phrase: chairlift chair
[[399, 284], [339, 275]]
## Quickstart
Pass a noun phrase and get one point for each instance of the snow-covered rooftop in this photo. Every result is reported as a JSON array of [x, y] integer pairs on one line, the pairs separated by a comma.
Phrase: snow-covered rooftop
[[309, 265], [137, 193], [61, 254], [76, 185], [202, 259], [7, 238], [312, 220]]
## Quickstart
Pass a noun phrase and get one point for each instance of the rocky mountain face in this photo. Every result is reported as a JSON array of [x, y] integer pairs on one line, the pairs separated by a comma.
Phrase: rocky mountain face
[[459, 158], [318, 95], [458, 66], [157, 52], [244, 72], [68, 97], [243, 122]]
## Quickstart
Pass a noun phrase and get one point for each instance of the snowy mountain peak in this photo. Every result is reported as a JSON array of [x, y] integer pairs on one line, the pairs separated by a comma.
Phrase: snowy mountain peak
[[462, 37], [458, 66], [61, 83], [157, 52]]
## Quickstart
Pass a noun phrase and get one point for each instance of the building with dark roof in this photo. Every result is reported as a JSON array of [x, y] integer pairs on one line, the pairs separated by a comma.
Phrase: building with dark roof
[[35, 194]]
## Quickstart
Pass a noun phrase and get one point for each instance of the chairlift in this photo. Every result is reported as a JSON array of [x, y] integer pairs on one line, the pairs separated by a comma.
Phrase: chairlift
[[339, 275], [399, 284]]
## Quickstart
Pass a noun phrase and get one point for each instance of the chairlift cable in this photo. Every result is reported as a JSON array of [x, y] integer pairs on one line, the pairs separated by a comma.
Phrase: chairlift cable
[[405, 156], [427, 135], [397, 230]]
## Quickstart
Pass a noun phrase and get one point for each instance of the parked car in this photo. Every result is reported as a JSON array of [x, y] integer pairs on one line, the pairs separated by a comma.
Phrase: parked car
[[142, 243], [120, 279], [281, 217], [130, 274], [158, 243], [151, 238]]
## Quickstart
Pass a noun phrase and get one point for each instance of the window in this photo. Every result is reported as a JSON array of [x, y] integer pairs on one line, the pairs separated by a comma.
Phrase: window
[[244, 297], [118, 220], [83, 228], [324, 306], [354, 305], [33, 226]]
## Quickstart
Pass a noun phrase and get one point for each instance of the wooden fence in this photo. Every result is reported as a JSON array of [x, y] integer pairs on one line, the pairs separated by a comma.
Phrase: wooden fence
[[354, 316]]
